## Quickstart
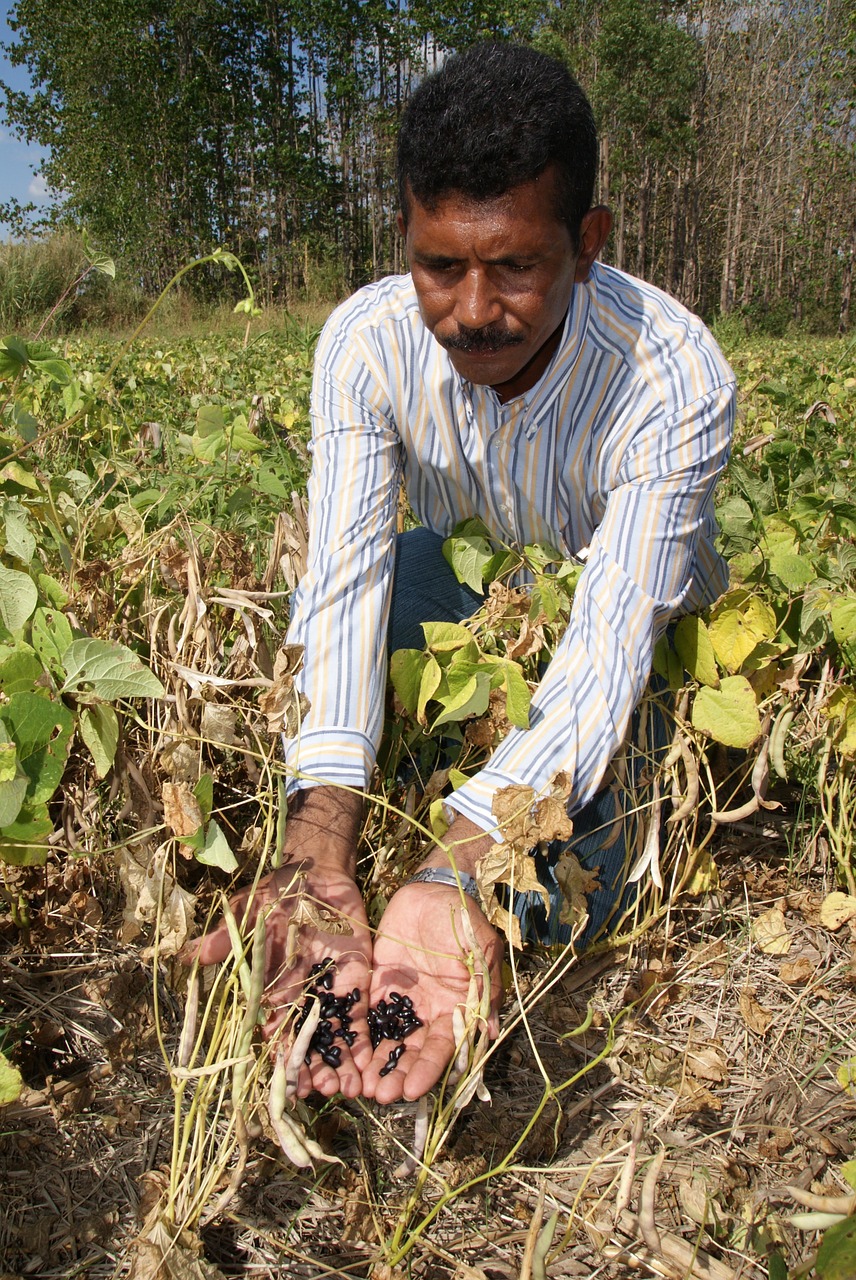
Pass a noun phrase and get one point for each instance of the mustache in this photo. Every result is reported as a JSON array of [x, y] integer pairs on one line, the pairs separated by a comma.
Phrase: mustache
[[480, 341]]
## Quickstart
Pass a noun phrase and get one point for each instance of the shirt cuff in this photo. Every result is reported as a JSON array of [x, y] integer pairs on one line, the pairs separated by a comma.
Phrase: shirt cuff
[[475, 800], [335, 757]]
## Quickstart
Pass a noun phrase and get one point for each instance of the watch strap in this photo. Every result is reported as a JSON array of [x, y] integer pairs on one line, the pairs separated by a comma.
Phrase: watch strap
[[445, 875]]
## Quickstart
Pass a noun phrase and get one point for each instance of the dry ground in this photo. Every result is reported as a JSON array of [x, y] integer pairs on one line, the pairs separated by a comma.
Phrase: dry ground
[[722, 1057]]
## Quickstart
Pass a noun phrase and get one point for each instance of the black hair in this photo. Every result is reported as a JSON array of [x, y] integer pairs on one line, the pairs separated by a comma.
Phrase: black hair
[[491, 118]]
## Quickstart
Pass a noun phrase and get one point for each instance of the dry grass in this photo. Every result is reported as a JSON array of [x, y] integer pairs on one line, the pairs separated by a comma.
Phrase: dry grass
[[716, 1061]]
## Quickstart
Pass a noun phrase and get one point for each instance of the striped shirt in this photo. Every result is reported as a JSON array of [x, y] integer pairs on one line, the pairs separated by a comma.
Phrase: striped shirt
[[614, 452]]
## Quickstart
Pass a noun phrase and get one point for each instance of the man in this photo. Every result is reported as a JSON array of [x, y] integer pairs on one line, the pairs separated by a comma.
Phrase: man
[[512, 377]]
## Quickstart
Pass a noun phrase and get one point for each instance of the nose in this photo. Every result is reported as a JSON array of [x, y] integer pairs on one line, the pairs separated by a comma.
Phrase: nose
[[476, 301]]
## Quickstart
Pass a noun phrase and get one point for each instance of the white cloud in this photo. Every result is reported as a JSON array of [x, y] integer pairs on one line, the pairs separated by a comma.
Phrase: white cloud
[[38, 188]]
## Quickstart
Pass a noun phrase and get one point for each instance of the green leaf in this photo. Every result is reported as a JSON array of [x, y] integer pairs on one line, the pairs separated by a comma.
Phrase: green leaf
[[51, 590], [848, 1173], [51, 635], [446, 637], [20, 543], [204, 793], [695, 650], [405, 672], [836, 1257], [517, 696], [13, 358], [843, 619], [795, 572], [469, 554], [99, 729], [13, 781], [11, 1082], [728, 714], [777, 1268], [18, 598], [27, 425], [210, 420], [269, 482], [98, 261], [215, 851], [468, 695], [42, 730], [245, 441], [112, 670], [24, 841], [20, 670], [546, 599], [17, 473]]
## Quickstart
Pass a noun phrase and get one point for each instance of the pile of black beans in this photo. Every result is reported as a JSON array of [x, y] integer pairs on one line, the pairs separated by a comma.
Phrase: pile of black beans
[[393, 1019], [320, 986]]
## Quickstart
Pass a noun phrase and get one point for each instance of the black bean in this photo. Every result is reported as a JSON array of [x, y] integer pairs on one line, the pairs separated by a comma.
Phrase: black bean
[[396, 997], [355, 995]]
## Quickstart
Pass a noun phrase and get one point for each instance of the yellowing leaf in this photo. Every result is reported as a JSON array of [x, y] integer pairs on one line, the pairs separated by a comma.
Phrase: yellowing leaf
[[181, 811], [728, 714], [11, 1082], [738, 626], [771, 933], [837, 909], [696, 651], [846, 1076], [704, 877]]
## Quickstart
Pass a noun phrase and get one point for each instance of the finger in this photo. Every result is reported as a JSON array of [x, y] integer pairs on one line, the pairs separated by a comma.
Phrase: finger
[[433, 1058]]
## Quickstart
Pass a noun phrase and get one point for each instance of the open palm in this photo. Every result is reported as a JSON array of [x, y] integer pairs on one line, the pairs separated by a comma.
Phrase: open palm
[[420, 951]]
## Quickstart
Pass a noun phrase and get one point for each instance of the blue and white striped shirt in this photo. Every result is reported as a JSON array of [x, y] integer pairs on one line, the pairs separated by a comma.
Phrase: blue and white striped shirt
[[616, 449]]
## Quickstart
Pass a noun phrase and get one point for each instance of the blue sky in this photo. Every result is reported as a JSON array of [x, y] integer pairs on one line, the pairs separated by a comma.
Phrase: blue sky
[[17, 160]]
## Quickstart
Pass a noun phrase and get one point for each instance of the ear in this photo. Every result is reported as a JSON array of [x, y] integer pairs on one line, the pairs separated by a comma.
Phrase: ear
[[401, 224], [594, 228]]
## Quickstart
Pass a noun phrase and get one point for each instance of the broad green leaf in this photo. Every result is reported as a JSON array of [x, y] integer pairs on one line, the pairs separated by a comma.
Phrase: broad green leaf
[[210, 420], [457, 779], [695, 650], [728, 714], [11, 1082], [405, 672], [20, 670], [795, 572], [245, 441], [42, 730], [269, 482], [13, 358], [215, 851], [738, 624], [204, 793], [24, 841], [18, 597], [112, 670], [13, 780], [20, 543], [469, 555], [51, 635], [517, 696], [52, 591], [99, 729], [446, 637], [437, 819], [848, 1173], [468, 696], [836, 1257], [27, 425], [98, 261], [546, 599], [59, 371]]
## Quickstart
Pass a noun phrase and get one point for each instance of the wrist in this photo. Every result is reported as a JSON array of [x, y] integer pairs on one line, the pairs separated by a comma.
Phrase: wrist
[[463, 845], [323, 824]]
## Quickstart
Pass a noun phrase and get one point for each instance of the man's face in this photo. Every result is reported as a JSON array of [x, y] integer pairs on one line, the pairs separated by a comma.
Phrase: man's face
[[494, 280]]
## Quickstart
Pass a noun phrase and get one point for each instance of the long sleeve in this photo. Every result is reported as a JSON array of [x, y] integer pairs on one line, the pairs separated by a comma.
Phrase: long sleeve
[[341, 606], [642, 568]]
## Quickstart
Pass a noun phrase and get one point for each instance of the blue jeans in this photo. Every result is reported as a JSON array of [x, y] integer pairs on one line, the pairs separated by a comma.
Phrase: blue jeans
[[606, 830]]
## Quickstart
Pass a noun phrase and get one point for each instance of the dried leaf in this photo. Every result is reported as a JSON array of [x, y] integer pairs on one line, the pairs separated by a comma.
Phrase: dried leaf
[[503, 864], [147, 885], [181, 811], [708, 1063], [771, 934], [757, 1018], [837, 909], [575, 883], [284, 707], [551, 818], [219, 723], [795, 973], [512, 808]]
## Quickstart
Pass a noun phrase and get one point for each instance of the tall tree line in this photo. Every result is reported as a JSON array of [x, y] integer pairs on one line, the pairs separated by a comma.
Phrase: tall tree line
[[728, 133]]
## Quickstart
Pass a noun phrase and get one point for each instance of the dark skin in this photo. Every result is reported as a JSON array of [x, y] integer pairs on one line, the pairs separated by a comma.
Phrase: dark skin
[[494, 280]]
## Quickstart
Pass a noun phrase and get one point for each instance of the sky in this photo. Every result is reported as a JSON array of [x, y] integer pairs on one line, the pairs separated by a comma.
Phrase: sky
[[17, 160]]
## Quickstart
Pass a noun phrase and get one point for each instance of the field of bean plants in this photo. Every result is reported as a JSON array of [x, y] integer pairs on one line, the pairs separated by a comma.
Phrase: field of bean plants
[[676, 1101]]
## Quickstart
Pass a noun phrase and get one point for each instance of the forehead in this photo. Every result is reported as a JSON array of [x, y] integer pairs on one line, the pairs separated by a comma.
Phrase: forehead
[[524, 218]]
